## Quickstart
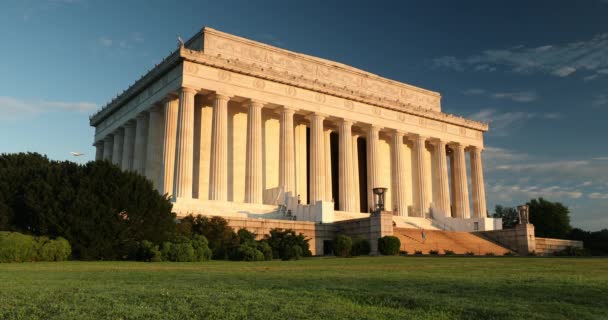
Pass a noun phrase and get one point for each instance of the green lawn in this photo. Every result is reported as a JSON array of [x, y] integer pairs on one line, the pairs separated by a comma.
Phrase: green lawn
[[315, 288]]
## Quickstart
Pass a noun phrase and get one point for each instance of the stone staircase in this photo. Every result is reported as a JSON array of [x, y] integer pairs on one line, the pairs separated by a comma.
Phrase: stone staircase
[[458, 242]]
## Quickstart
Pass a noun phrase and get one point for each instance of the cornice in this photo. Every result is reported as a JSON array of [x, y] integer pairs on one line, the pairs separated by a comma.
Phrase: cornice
[[140, 85]]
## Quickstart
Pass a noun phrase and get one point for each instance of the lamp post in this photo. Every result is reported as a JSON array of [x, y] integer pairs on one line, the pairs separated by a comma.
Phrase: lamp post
[[380, 192]]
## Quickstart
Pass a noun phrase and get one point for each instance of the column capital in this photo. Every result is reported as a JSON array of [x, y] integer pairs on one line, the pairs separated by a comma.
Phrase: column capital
[[170, 97], [255, 103], [398, 133], [189, 90], [142, 115], [316, 115], [287, 109], [437, 141], [222, 95], [416, 137], [346, 122], [120, 131], [373, 127], [456, 145], [476, 149], [156, 108], [129, 124]]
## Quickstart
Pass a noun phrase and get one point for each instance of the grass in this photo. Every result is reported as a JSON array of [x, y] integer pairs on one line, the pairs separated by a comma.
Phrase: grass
[[315, 288]]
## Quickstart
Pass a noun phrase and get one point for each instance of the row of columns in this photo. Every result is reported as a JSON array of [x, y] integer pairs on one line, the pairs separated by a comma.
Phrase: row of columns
[[160, 145]]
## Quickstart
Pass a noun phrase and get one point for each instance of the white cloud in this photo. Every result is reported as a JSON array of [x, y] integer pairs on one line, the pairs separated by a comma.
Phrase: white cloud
[[514, 191], [105, 42], [474, 91], [12, 107], [502, 123], [597, 195], [516, 96], [449, 62], [600, 101], [561, 60], [521, 96], [563, 71]]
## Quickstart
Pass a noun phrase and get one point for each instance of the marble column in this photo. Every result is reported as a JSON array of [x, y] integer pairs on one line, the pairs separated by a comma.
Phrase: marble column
[[317, 159], [253, 169], [108, 147], [141, 140], [218, 180], [98, 150], [419, 172], [184, 145], [442, 195], [171, 107], [479, 192], [154, 148], [128, 146], [461, 190], [119, 137], [373, 171], [345, 153], [287, 165], [398, 168], [355, 173], [328, 178]]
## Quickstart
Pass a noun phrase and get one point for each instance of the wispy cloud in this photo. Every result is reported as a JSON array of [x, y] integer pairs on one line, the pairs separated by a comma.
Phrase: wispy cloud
[[516, 96], [503, 123], [127, 42], [560, 60], [510, 192], [597, 195], [11, 108], [600, 101]]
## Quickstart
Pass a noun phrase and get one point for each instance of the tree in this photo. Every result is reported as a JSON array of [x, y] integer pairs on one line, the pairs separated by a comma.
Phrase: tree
[[550, 219], [101, 210], [509, 216]]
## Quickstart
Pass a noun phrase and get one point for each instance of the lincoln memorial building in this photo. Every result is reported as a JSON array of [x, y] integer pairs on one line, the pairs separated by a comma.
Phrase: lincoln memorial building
[[232, 127]]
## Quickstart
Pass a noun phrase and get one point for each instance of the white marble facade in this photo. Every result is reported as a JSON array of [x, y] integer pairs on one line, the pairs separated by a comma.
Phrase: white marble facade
[[227, 125]]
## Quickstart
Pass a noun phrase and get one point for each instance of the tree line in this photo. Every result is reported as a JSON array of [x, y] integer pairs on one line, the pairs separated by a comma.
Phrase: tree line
[[552, 220]]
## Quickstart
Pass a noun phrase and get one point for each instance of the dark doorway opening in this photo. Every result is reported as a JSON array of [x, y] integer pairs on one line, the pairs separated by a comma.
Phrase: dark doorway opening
[[308, 165], [335, 170], [361, 155]]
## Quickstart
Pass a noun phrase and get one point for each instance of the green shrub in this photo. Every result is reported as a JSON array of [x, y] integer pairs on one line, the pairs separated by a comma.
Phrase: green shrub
[[418, 252], [53, 250], [283, 242], [293, 253], [448, 252], [17, 247], [361, 247], [265, 249], [490, 254], [201, 248], [247, 252], [342, 245], [222, 240], [508, 254], [572, 252], [469, 253], [433, 252], [246, 236], [389, 245], [403, 253]]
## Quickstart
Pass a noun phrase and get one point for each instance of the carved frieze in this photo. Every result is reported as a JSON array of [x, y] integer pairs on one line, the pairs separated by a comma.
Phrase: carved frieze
[[219, 44]]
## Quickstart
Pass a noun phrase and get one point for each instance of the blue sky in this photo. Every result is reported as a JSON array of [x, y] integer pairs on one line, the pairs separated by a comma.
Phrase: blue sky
[[536, 70]]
